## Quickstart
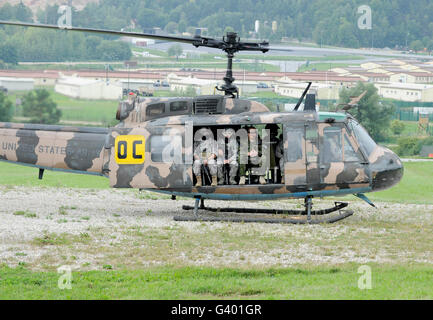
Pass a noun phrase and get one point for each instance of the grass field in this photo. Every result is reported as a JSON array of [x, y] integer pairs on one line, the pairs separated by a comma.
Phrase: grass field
[[99, 111], [337, 282], [415, 187], [103, 111], [14, 175], [121, 248]]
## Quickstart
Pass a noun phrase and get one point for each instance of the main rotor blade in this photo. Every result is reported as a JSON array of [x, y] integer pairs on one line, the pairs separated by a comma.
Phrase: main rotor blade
[[264, 47], [279, 49], [197, 41], [190, 40]]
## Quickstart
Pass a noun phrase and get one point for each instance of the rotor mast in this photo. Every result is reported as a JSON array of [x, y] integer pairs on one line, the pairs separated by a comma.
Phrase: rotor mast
[[230, 44], [229, 88]]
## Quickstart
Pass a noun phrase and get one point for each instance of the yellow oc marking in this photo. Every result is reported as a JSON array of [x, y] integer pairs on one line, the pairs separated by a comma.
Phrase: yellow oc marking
[[129, 149]]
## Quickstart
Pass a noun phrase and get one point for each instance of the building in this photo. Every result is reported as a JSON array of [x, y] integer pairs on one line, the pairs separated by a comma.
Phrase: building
[[135, 84], [412, 77], [291, 89], [114, 76], [17, 84], [88, 89], [200, 86], [324, 77], [410, 92], [40, 78], [363, 74]]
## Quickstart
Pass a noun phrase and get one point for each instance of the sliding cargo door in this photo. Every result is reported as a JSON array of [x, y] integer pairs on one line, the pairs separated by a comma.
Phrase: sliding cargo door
[[312, 155]]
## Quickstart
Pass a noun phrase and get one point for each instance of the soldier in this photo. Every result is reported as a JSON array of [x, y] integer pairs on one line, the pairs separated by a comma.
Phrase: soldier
[[205, 154], [279, 153], [255, 159], [227, 155], [272, 131]]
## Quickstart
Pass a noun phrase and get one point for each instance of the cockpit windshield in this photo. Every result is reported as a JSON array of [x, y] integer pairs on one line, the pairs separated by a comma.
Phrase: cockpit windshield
[[364, 139]]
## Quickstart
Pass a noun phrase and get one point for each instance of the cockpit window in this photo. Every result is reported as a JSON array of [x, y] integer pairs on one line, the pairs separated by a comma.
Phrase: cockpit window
[[364, 139], [349, 153], [155, 109], [177, 106], [294, 147], [332, 146]]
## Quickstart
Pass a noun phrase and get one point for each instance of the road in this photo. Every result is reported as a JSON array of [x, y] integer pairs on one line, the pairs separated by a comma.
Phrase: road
[[305, 51]]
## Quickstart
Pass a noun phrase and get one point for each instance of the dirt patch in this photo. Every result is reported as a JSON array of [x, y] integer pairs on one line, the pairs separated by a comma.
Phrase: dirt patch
[[45, 228]]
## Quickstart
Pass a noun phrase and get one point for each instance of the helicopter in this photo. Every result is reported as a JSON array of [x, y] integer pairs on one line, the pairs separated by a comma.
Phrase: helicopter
[[326, 154]]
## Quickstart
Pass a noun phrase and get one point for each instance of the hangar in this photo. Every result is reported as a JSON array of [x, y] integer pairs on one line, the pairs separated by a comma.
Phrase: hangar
[[88, 89], [17, 84]]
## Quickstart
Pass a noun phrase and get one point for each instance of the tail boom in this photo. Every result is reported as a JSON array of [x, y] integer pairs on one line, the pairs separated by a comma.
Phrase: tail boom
[[77, 149]]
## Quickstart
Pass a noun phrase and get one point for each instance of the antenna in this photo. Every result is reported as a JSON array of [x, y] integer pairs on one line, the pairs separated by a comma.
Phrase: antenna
[[302, 97]]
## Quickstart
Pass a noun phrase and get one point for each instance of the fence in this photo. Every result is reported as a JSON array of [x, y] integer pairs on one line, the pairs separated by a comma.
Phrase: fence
[[404, 110], [409, 115]]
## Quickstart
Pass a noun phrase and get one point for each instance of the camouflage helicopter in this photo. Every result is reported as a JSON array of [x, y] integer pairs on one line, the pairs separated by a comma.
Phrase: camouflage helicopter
[[324, 153]]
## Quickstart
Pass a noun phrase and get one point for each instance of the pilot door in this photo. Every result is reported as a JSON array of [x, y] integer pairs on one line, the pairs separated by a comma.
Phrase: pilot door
[[341, 163], [153, 158], [301, 154], [312, 154]]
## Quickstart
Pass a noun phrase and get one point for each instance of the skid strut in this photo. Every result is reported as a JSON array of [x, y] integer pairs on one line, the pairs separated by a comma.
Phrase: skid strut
[[293, 216]]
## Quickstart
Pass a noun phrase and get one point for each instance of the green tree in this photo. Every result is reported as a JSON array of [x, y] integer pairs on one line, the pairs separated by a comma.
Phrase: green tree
[[346, 35], [39, 106], [175, 51], [409, 146], [6, 108], [7, 12], [396, 22], [49, 15], [417, 45], [228, 29], [8, 53], [23, 13], [171, 27], [183, 24], [373, 114], [397, 127], [113, 51]]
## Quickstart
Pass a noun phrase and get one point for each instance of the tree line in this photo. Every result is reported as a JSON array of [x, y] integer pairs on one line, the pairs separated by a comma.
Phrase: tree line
[[37, 45], [395, 23]]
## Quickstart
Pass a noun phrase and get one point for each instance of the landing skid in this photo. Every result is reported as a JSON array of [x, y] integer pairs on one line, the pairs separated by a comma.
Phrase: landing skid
[[306, 216]]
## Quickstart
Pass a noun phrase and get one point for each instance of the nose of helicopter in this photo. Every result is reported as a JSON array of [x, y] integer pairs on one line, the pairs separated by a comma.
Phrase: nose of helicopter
[[386, 169]]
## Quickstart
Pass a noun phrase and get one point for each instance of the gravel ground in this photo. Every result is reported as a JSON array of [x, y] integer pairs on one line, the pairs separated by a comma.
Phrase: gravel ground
[[45, 228]]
